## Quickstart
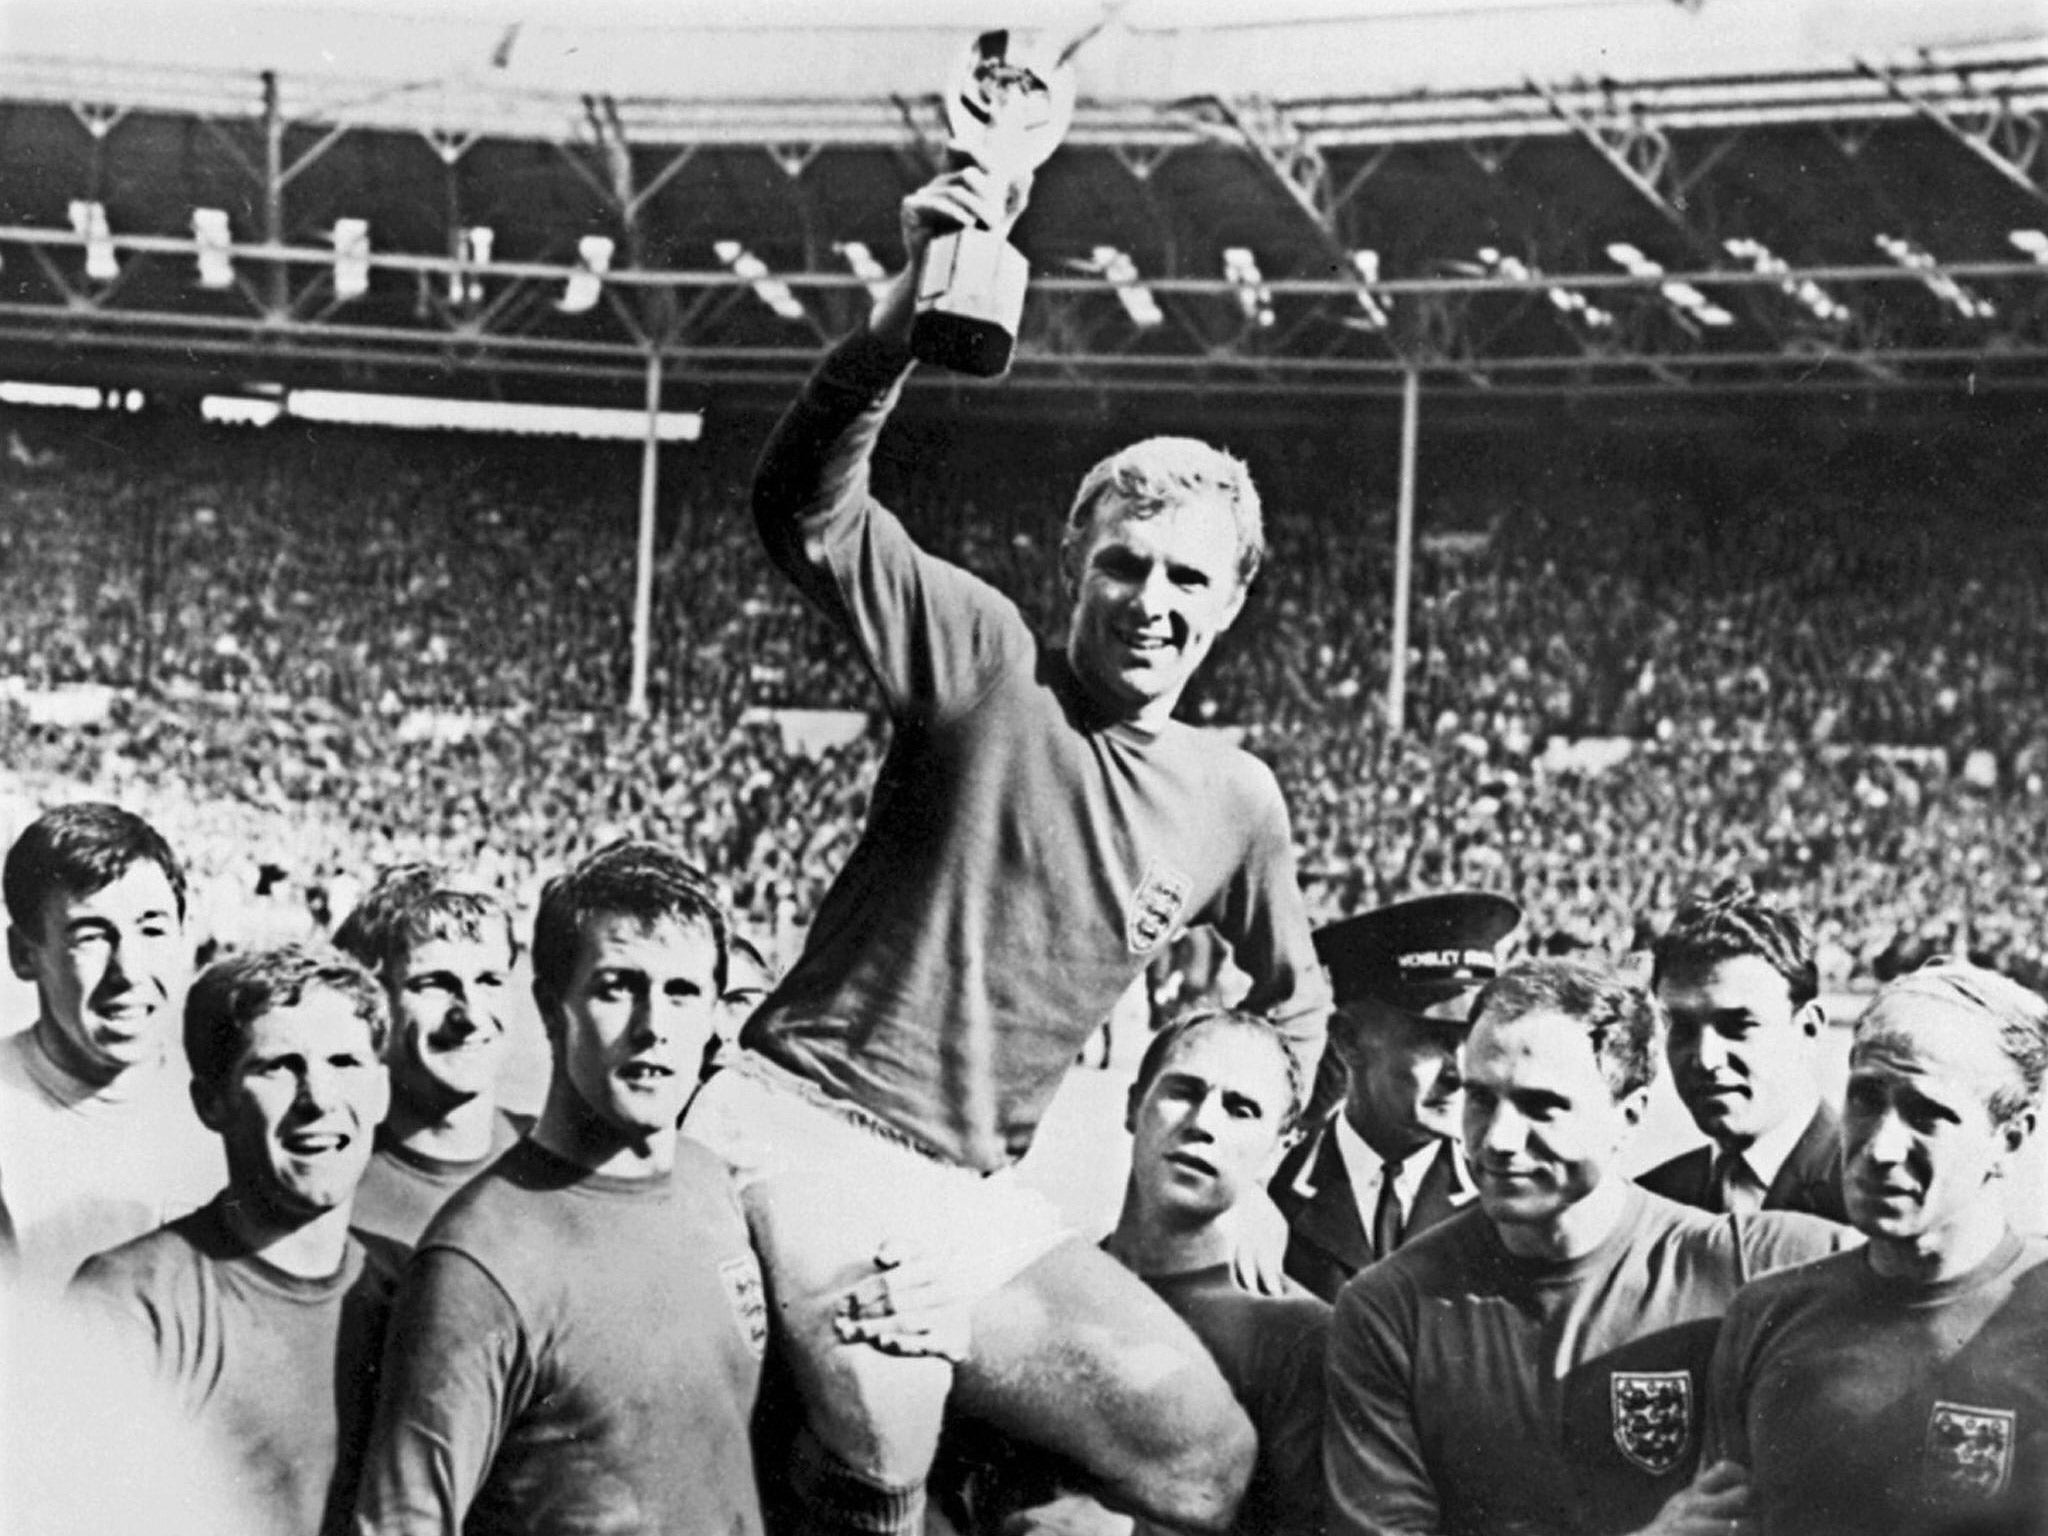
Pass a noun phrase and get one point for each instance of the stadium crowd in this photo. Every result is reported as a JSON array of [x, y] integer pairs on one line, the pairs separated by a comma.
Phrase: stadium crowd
[[417, 646]]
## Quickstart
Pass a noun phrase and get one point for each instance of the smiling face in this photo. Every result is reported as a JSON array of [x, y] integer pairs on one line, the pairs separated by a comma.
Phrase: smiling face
[[297, 1110], [110, 969], [631, 1026], [1209, 1125], [1151, 592], [1920, 1147], [1542, 1126], [1742, 1055], [448, 1005]]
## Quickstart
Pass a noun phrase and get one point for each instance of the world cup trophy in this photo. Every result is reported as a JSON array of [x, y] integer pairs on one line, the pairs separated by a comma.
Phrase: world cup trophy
[[1007, 106]]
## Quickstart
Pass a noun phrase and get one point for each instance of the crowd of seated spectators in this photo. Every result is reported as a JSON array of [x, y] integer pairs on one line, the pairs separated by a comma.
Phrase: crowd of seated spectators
[[1828, 665]]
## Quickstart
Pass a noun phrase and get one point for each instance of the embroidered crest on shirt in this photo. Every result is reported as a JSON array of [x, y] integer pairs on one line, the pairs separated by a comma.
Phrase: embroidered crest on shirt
[[1653, 1417], [1156, 907], [1969, 1450], [742, 1277]]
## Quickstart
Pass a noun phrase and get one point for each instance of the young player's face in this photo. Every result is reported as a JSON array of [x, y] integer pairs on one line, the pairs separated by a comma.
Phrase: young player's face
[[1542, 1127], [635, 1019], [110, 968], [1406, 1090], [300, 1107], [1207, 1128], [1742, 1056], [449, 998], [1151, 594], [1919, 1146]]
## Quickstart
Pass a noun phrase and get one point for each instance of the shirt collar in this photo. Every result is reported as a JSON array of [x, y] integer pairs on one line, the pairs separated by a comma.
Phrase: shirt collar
[[1768, 1154], [1362, 1165]]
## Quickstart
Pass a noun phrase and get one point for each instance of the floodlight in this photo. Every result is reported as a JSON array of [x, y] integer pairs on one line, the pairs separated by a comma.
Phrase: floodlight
[[1916, 258], [1805, 291], [1241, 267], [865, 267], [476, 243], [769, 289], [594, 258], [2033, 242], [210, 230], [351, 258], [1367, 265], [1683, 297], [1131, 291], [77, 397], [89, 221]]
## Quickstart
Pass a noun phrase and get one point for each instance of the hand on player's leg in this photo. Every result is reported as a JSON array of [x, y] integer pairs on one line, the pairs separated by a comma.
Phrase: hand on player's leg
[[916, 1303]]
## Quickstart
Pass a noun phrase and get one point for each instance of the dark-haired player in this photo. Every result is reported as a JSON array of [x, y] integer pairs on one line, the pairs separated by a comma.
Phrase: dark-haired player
[[98, 1142], [1041, 828], [1538, 1363], [1736, 973], [261, 1309], [577, 1346], [444, 952], [1904, 1386]]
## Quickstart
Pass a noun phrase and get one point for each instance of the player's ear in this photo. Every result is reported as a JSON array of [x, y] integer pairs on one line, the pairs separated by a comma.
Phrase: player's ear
[[1236, 604], [21, 954], [549, 1008], [206, 1103], [2018, 1130], [1812, 1019], [1633, 1107]]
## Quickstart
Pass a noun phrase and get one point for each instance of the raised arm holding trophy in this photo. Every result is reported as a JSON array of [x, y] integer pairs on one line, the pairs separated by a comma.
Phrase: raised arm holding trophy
[[1008, 107], [1040, 830]]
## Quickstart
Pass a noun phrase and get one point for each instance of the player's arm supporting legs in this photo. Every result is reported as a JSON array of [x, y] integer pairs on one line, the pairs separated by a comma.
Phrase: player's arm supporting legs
[[1077, 1355]]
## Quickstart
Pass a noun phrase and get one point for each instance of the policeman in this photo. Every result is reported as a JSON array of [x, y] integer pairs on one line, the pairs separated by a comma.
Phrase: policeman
[[1385, 1163]]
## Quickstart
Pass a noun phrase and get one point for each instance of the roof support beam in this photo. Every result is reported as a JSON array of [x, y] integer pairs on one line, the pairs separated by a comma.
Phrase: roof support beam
[[2006, 140]]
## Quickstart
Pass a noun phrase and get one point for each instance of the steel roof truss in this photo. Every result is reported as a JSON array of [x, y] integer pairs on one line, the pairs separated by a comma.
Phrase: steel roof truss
[[1989, 126]]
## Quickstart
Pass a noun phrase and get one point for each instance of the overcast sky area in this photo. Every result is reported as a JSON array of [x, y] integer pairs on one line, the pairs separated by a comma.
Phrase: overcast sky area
[[1149, 49]]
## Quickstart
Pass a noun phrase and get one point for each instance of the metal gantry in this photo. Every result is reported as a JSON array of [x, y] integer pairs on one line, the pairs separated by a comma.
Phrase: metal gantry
[[1876, 226]]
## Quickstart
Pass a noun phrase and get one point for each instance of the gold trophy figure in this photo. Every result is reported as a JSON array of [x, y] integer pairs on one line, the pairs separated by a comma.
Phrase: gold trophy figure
[[1008, 106]]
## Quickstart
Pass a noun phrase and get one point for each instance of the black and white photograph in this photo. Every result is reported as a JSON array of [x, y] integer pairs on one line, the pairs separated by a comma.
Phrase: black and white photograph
[[1073, 768]]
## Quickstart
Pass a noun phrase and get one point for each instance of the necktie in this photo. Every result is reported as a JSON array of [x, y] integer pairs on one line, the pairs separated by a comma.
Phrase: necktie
[[1736, 1186], [1386, 1213]]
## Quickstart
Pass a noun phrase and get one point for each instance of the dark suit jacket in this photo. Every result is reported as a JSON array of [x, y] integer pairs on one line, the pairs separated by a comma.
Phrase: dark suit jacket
[[1810, 1180], [1327, 1242]]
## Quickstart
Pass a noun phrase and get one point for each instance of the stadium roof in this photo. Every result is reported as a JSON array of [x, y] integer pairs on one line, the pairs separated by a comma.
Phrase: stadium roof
[[1567, 196]]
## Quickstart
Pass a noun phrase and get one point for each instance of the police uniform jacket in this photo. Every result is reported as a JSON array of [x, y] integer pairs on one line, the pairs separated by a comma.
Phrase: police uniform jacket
[[1327, 1241]]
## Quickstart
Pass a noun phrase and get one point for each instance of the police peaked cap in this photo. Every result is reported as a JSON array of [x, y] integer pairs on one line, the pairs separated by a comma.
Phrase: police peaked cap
[[1415, 953]]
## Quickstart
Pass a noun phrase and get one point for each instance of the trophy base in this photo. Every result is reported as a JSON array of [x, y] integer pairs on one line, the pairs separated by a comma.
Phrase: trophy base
[[970, 297]]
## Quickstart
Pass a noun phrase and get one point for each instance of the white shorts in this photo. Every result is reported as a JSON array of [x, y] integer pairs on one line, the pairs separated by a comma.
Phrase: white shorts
[[860, 1182]]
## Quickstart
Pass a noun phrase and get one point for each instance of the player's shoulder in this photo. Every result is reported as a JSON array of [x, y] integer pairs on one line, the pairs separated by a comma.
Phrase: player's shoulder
[[1450, 1259], [1230, 770], [14, 1049], [163, 1260], [697, 1166], [1678, 1178], [383, 1261], [478, 1217], [1746, 1246], [20, 1093]]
